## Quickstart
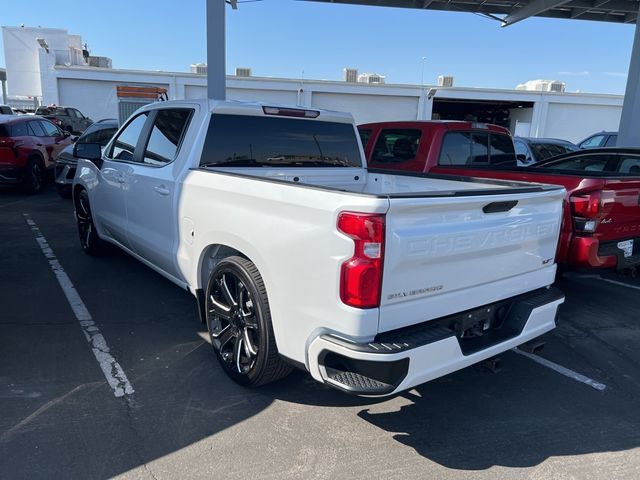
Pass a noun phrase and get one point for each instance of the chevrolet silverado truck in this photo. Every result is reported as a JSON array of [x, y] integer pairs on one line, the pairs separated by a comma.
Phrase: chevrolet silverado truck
[[601, 227], [298, 256]]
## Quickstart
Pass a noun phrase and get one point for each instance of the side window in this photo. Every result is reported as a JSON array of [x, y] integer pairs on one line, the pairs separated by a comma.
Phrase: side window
[[365, 135], [479, 148], [397, 145], [101, 136], [125, 145], [35, 129], [166, 134], [502, 151], [456, 149], [611, 141], [77, 113], [629, 165], [19, 129], [50, 129], [592, 142]]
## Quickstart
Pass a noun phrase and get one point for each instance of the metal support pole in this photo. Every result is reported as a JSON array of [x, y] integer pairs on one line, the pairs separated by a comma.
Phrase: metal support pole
[[629, 131], [216, 58], [4, 91]]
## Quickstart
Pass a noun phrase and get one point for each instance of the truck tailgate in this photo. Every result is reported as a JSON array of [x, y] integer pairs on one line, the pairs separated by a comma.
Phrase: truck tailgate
[[450, 254]]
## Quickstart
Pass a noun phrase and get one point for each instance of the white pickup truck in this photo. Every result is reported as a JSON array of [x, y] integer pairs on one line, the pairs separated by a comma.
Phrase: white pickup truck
[[299, 256]]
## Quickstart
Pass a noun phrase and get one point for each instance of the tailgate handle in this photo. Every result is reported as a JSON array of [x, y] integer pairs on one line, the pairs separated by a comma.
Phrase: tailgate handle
[[496, 207]]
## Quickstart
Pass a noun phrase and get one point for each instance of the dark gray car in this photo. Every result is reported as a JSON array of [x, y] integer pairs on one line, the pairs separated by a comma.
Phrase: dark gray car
[[601, 139], [532, 150], [65, 169]]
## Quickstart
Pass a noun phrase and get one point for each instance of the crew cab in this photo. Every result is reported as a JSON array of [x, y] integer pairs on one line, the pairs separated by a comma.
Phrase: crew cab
[[67, 118], [601, 227], [297, 255]]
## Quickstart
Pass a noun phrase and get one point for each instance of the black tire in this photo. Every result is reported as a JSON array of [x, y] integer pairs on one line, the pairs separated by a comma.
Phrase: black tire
[[34, 175], [63, 190], [239, 324], [91, 243]]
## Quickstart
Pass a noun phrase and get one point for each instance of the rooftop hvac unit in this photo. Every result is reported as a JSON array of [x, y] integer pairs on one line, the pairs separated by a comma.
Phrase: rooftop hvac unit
[[371, 78], [243, 72], [350, 75], [100, 62], [556, 86], [445, 80], [199, 68]]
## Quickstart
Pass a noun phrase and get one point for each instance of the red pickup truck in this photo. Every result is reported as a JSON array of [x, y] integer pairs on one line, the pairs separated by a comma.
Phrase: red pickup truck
[[601, 227]]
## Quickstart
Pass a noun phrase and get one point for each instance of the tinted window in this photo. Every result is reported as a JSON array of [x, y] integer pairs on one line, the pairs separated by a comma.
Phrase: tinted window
[[125, 145], [364, 137], [75, 113], [19, 129], [4, 131], [100, 136], [542, 151], [629, 165], [6, 110], [168, 128], [611, 141], [592, 142], [479, 148], [396, 145], [502, 151], [456, 149], [51, 111], [581, 163], [35, 129], [251, 141], [50, 130]]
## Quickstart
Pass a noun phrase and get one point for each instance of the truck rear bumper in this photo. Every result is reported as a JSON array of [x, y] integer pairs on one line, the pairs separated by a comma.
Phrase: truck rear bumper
[[589, 252], [401, 359]]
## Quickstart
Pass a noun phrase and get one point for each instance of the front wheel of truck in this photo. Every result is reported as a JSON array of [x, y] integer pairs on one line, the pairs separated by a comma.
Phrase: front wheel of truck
[[239, 324]]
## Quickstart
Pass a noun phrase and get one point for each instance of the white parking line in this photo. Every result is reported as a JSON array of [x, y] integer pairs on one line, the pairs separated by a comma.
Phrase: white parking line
[[562, 370], [112, 370], [608, 280]]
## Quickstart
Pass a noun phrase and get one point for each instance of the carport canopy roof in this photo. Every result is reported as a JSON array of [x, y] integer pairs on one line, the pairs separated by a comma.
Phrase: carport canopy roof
[[509, 12]]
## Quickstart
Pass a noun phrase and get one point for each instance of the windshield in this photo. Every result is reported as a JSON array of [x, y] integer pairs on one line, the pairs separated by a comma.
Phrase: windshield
[[256, 141], [543, 151], [51, 111]]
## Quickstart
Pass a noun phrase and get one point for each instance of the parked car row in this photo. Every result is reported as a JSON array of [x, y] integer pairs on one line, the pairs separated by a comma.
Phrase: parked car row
[[601, 225]]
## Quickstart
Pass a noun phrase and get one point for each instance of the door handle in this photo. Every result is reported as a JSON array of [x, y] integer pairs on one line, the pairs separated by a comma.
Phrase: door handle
[[161, 189]]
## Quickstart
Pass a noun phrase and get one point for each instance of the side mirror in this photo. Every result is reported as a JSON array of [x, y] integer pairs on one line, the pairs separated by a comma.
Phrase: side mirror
[[89, 151], [74, 138]]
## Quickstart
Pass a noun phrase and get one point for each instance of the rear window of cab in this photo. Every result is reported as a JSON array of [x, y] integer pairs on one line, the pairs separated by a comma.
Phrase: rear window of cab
[[474, 149]]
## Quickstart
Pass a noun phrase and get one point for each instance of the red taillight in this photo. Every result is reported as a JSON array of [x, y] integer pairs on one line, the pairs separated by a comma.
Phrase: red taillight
[[361, 275], [7, 142], [586, 208]]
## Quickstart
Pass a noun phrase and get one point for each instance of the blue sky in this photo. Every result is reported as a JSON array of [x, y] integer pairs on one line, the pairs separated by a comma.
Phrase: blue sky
[[281, 38]]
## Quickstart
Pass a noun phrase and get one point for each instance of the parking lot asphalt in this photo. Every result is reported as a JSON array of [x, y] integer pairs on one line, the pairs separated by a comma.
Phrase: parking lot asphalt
[[59, 418]]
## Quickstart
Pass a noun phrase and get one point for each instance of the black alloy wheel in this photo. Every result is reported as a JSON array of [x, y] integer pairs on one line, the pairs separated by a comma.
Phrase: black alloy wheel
[[91, 243], [239, 324], [34, 175]]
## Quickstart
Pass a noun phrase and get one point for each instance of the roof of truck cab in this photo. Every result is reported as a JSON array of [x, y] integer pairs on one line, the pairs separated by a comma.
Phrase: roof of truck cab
[[437, 124], [235, 107]]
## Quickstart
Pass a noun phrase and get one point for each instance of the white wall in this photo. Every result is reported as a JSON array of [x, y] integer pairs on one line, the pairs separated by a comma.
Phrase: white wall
[[95, 99], [522, 116], [569, 116], [575, 122], [368, 108]]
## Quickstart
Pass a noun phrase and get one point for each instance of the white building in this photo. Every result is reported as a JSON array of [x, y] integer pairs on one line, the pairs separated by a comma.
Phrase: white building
[[537, 113]]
